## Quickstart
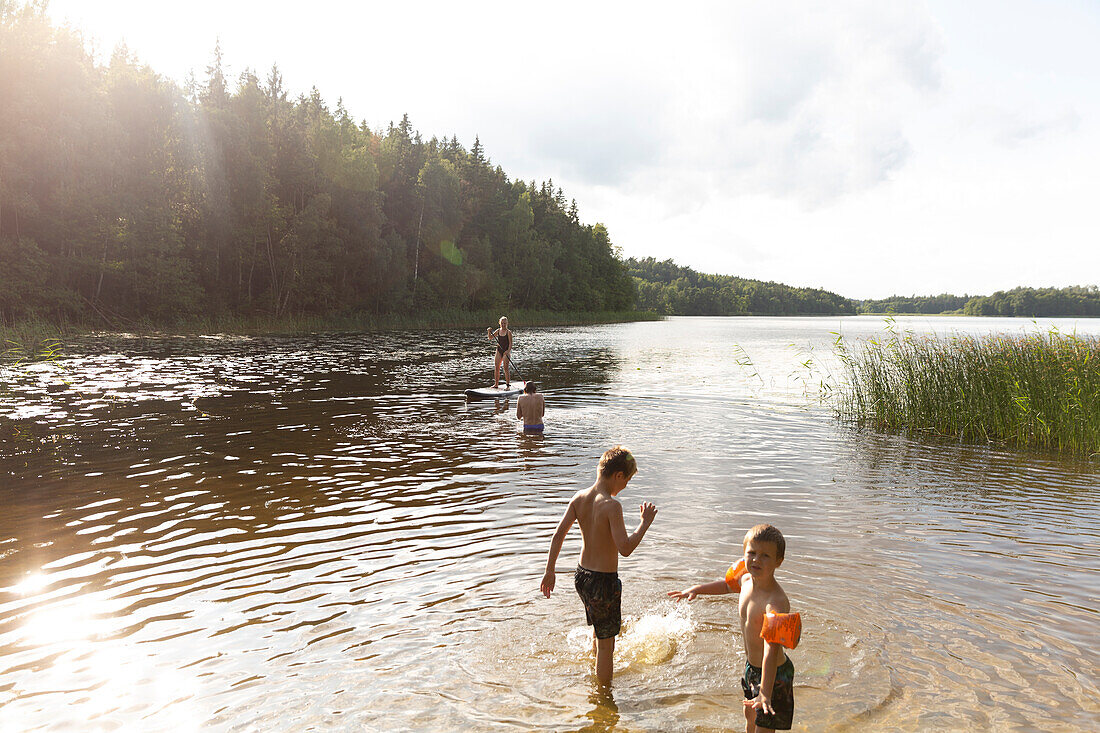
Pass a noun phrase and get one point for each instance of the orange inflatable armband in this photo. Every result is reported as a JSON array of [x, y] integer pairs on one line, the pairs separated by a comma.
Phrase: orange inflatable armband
[[733, 575], [784, 629]]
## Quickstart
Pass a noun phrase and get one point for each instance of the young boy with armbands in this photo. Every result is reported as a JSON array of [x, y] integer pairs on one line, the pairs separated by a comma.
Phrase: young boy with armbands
[[767, 625]]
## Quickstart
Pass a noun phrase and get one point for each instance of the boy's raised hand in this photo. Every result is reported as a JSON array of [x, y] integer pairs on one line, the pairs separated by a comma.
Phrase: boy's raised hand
[[648, 512], [547, 584]]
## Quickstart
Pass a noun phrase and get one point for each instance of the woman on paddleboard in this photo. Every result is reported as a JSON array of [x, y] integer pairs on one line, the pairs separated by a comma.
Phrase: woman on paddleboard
[[504, 351]]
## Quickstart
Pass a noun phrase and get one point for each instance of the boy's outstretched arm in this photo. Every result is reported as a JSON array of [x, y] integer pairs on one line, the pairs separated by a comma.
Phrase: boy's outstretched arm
[[566, 522], [716, 588], [625, 543]]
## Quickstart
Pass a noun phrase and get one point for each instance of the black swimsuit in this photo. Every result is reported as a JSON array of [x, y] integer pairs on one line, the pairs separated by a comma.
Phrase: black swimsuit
[[602, 595], [503, 342]]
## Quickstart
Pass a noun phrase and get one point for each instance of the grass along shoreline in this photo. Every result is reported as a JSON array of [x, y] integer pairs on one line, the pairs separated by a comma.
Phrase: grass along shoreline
[[38, 339], [1034, 391]]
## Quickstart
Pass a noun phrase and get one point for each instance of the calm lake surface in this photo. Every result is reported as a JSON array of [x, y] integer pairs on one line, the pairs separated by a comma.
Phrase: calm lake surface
[[319, 533]]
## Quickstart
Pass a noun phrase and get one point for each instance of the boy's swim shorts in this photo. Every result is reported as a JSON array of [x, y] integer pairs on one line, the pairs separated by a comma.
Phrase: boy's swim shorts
[[782, 695], [602, 594]]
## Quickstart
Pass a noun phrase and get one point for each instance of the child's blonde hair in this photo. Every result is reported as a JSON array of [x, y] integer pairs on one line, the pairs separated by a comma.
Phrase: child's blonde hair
[[617, 459], [766, 533]]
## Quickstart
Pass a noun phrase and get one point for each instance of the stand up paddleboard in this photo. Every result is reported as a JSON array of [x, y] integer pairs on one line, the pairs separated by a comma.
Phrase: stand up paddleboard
[[489, 393]]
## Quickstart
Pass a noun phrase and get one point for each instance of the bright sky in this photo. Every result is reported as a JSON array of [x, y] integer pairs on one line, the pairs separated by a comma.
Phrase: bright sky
[[862, 146]]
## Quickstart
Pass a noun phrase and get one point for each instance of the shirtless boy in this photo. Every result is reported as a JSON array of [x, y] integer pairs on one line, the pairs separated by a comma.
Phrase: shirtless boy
[[769, 673], [603, 539], [530, 407]]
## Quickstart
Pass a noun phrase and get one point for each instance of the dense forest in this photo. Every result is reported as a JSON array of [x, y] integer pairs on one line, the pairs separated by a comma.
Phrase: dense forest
[[927, 304], [1029, 302], [669, 289], [1072, 301], [124, 195]]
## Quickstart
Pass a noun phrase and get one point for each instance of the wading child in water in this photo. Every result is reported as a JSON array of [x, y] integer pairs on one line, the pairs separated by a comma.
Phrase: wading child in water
[[603, 539], [530, 407], [768, 682]]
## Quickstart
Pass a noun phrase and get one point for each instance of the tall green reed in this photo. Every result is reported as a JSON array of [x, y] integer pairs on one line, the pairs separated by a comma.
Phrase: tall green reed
[[1036, 390], [29, 341]]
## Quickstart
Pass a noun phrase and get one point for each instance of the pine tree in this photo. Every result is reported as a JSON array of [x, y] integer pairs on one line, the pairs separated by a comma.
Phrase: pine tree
[[216, 93]]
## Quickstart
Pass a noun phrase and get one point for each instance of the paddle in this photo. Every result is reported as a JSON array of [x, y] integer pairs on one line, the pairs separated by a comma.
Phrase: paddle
[[513, 365]]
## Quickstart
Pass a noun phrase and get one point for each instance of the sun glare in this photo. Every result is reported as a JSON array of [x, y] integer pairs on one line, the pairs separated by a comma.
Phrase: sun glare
[[116, 677], [33, 583]]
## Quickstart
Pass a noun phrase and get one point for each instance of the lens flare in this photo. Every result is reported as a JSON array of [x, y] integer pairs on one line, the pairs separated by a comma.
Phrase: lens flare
[[450, 252]]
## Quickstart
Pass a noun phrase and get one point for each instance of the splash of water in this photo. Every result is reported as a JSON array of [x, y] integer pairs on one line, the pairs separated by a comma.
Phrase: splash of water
[[649, 639]]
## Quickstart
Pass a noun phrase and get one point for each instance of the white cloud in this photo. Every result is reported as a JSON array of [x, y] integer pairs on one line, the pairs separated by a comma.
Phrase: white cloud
[[811, 104], [1019, 126]]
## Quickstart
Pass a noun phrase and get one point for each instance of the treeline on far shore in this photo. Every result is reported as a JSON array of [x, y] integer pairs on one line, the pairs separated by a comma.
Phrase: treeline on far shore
[[670, 289], [666, 288], [1018, 302]]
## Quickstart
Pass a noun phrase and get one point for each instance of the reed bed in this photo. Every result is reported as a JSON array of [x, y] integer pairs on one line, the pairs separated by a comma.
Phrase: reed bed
[[25, 334], [420, 320], [30, 341], [1038, 390]]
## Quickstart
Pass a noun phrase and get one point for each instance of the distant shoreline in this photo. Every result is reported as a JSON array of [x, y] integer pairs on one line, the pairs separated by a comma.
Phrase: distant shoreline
[[956, 314], [32, 330], [26, 337], [952, 314]]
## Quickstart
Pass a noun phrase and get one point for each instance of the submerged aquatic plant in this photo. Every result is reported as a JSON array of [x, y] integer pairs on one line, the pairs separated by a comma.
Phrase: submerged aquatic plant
[[1037, 390], [18, 352], [29, 341]]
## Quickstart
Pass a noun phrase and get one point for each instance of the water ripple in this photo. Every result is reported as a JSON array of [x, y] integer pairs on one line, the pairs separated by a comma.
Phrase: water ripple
[[284, 533]]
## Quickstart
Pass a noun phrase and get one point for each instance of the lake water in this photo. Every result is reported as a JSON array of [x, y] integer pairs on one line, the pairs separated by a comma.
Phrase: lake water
[[320, 533]]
